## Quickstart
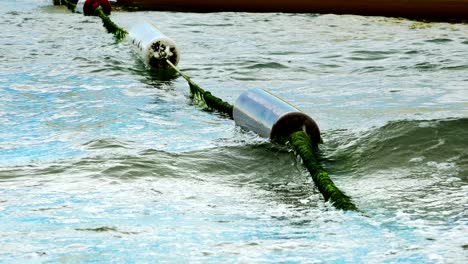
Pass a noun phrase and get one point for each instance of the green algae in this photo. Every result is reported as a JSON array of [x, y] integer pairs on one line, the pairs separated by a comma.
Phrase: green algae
[[212, 102], [111, 27], [305, 148]]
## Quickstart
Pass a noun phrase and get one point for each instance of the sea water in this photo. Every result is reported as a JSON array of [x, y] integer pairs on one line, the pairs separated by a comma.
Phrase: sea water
[[105, 160]]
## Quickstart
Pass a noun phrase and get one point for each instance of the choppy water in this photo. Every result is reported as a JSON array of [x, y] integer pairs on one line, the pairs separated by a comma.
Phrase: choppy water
[[104, 160]]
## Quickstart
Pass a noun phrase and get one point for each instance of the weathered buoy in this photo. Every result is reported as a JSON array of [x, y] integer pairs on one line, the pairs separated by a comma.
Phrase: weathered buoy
[[153, 46], [269, 116]]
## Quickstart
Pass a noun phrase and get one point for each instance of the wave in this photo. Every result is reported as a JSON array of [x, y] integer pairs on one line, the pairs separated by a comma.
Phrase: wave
[[398, 144], [403, 164], [402, 144]]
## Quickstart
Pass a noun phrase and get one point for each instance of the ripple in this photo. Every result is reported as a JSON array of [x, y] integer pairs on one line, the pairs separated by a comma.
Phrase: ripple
[[426, 66], [103, 229], [455, 68], [267, 65], [439, 40], [370, 69], [105, 144], [368, 55], [410, 52]]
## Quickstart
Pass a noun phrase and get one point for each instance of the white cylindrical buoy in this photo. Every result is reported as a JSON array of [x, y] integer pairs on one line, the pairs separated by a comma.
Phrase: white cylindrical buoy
[[271, 117], [153, 46]]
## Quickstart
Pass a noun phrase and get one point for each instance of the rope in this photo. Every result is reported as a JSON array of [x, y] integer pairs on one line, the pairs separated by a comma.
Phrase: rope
[[211, 101], [304, 147], [111, 27]]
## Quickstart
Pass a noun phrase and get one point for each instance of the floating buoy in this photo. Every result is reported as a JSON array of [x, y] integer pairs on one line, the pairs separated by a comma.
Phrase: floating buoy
[[153, 46], [269, 116]]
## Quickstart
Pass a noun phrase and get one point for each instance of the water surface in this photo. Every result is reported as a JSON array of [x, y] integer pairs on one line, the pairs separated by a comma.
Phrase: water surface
[[102, 159]]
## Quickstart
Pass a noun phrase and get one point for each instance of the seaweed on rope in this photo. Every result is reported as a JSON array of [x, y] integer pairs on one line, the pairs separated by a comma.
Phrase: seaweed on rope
[[211, 101], [302, 144], [111, 27]]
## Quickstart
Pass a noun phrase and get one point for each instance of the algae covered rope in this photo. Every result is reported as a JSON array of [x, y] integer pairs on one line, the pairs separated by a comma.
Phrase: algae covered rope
[[210, 100], [111, 27], [304, 147]]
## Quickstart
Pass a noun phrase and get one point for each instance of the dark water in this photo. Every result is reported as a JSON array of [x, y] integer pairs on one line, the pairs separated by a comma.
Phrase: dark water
[[102, 159]]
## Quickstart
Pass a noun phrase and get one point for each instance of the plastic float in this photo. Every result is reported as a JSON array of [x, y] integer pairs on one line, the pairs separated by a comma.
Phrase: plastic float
[[431, 9], [153, 46], [271, 117]]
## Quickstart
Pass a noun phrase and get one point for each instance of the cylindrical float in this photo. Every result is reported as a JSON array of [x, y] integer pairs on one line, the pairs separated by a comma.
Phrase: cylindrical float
[[153, 46], [260, 111]]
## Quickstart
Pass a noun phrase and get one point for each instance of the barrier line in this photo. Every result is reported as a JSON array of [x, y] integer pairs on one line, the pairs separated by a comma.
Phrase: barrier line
[[299, 140]]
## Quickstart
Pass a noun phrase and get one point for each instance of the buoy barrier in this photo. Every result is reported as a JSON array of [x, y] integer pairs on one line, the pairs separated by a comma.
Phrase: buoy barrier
[[257, 110], [100, 8], [153, 46]]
